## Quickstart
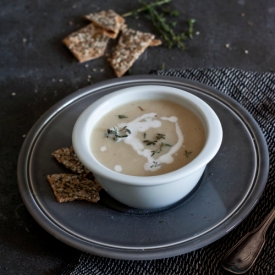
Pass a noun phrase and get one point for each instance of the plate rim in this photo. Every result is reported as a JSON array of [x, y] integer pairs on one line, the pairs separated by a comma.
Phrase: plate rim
[[140, 254]]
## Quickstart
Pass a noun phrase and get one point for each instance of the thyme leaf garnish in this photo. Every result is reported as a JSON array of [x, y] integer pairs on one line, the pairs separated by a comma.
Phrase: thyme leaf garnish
[[164, 144], [187, 153], [160, 148], [153, 142], [115, 133], [150, 142], [125, 129], [156, 164], [122, 116], [160, 136], [112, 132]]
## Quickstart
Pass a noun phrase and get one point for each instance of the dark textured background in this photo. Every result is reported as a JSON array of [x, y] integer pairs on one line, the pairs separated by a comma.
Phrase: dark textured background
[[36, 71]]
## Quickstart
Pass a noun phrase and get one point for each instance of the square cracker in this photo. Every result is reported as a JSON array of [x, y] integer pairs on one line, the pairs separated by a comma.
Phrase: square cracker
[[68, 158], [87, 43], [131, 45], [70, 187], [109, 20]]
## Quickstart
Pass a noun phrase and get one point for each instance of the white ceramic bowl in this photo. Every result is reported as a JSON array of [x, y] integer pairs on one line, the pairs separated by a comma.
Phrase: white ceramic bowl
[[153, 191]]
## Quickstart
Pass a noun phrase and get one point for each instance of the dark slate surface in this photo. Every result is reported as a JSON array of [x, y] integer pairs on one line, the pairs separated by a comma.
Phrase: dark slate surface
[[36, 71]]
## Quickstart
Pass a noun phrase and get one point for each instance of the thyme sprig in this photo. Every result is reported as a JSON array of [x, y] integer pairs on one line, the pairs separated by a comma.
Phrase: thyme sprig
[[150, 142], [157, 14], [160, 136], [155, 164], [153, 142], [187, 153], [117, 134], [160, 148], [145, 7]]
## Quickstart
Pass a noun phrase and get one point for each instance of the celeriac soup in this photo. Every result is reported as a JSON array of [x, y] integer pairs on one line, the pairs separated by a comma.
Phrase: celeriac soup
[[147, 138]]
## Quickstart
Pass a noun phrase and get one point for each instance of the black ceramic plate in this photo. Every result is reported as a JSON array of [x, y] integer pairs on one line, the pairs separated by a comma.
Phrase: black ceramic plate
[[229, 189]]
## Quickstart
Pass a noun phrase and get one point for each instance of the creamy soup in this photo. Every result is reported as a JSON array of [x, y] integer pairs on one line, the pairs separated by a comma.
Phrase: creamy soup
[[147, 138]]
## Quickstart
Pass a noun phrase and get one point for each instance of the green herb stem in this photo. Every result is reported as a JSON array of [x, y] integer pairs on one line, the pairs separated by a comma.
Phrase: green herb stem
[[191, 23], [187, 153], [122, 116], [146, 7], [157, 14]]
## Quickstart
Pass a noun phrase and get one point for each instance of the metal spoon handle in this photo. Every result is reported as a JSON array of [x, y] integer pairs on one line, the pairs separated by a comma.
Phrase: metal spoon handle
[[243, 254]]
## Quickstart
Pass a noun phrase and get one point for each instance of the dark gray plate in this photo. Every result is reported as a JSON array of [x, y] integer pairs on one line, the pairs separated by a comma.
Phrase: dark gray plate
[[228, 190]]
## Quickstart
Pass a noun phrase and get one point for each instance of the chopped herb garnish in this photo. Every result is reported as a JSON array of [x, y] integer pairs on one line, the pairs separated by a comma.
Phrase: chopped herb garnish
[[112, 132], [115, 133], [125, 129], [144, 135], [156, 164], [160, 136], [153, 142], [164, 144], [160, 148], [187, 153], [150, 142], [122, 116]]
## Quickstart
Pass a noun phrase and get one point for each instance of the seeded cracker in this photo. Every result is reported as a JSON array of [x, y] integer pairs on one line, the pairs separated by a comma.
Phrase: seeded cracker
[[70, 187], [68, 158], [87, 43], [109, 20], [131, 45]]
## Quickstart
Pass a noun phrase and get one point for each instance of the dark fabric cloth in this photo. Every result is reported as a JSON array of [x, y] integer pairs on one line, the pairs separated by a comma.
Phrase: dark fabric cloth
[[256, 92]]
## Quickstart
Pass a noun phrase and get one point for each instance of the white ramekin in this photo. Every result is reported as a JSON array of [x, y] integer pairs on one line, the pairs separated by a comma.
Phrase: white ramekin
[[153, 191]]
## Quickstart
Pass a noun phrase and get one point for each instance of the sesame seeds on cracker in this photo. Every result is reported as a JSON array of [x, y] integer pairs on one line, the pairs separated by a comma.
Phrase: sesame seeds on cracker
[[131, 45], [87, 43], [68, 158], [91, 41], [81, 185], [109, 21], [70, 187]]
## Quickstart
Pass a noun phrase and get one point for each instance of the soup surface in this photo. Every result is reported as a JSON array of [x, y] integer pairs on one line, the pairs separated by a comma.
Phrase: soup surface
[[147, 138]]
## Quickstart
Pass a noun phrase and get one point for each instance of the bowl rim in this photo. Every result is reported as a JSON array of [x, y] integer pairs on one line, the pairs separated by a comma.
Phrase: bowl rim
[[83, 152]]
